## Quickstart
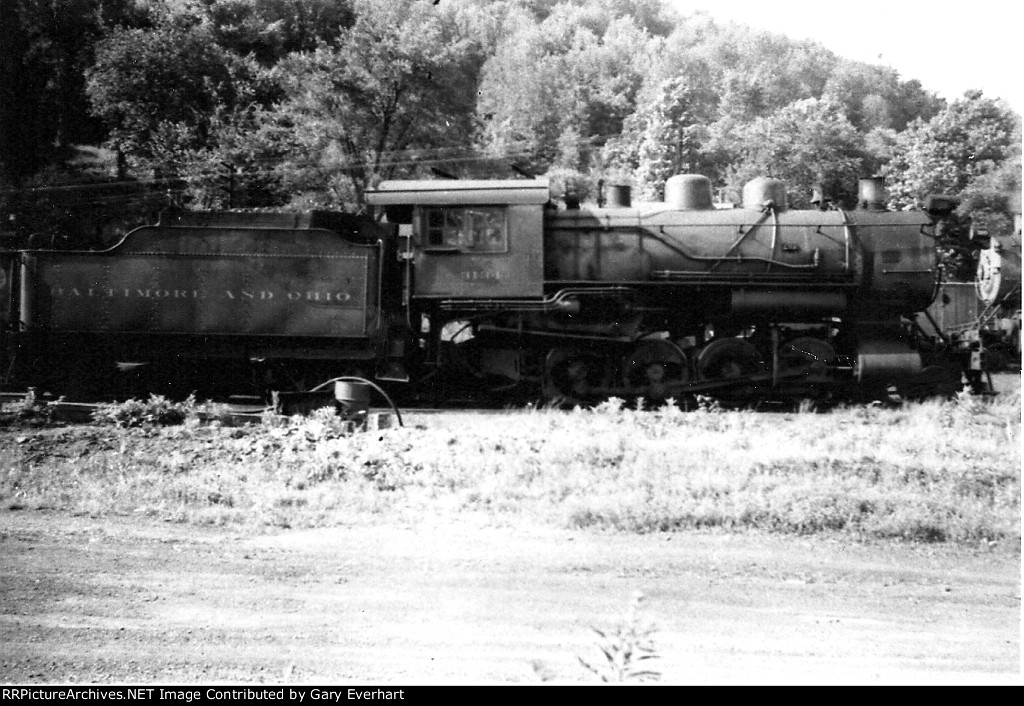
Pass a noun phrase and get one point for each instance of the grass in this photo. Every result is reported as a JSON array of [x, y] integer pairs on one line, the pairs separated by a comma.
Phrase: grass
[[936, 471]]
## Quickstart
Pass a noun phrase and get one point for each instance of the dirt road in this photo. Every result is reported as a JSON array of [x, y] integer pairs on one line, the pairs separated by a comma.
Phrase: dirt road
[[131, 600]]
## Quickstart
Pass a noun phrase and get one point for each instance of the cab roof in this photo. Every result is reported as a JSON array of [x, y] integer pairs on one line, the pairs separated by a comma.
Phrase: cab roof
[[458, 192]]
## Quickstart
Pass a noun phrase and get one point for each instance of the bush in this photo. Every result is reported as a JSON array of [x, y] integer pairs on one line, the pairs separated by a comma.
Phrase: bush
[[156, 411]]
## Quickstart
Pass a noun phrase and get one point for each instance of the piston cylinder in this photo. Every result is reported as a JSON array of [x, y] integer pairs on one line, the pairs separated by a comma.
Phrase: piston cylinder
[[886, 362]]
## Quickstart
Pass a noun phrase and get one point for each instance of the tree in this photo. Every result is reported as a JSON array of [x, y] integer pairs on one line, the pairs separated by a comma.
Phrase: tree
[[753, 73], [973, 137], [875, 97], [20, 90], [806, 144], [664, 137], [269, 30], [145, 80], [399, 84], [45, 46], [585, 67], [989, 199]]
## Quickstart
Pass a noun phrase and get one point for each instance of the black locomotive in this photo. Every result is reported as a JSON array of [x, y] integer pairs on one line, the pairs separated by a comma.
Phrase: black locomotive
[[489, 288]]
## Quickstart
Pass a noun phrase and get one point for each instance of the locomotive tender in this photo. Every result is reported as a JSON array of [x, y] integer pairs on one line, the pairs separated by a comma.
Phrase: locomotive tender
[[198, 298], [489, 286]]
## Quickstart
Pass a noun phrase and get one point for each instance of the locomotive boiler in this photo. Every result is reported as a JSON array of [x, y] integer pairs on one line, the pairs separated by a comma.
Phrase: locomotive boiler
[[469, 288]]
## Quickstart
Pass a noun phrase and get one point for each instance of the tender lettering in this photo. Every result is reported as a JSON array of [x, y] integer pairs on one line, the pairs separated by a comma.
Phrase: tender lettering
[[110, 293], [265, 295]]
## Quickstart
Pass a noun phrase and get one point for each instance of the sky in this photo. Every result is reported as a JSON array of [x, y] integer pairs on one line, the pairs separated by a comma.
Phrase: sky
[[950, 47]]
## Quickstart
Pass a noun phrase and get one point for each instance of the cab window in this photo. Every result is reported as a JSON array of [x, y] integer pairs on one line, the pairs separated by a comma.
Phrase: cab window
[[475, 229]]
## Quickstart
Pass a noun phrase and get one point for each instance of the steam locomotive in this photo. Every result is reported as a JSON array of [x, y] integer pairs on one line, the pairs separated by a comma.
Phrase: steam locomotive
[[489, 288]]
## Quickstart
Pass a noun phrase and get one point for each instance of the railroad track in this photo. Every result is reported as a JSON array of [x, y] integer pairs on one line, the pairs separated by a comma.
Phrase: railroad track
[[239, 413], [82, 412]]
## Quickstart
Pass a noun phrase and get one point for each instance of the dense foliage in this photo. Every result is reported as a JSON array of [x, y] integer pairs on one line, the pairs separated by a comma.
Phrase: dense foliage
[[293, 103]]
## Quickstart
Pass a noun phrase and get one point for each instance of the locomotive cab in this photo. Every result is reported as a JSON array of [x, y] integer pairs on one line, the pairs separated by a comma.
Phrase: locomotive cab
[[469, 239]]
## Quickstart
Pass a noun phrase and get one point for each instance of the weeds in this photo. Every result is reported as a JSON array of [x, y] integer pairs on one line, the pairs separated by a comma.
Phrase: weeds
[[157, 410], [933, 471], [160, 411], [709, 405], [625, 648], [29, 411]]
